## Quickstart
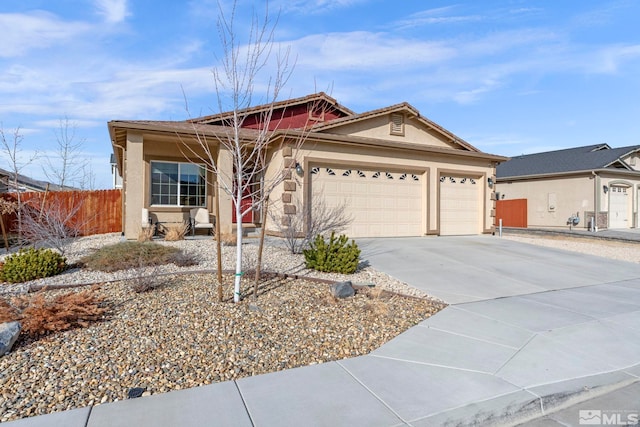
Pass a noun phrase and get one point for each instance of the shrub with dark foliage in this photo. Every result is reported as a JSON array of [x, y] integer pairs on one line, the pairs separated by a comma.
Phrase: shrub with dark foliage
[[32, 264], [335, 255]]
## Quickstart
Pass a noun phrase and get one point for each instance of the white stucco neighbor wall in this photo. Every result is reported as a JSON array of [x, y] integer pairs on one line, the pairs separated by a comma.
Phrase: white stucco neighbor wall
[[550, 202]]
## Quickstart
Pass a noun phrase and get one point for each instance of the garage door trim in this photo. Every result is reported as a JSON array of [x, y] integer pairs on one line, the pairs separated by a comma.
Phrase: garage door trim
[[422, 173], [482, 181]]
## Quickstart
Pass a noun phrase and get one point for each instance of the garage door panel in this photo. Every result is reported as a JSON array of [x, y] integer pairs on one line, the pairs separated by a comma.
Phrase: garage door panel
[[619, 207], [379, 201], [460, 206]]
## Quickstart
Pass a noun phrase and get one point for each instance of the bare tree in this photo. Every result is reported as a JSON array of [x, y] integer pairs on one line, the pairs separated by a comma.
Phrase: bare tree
[[310, 220], [7, 206], [53, 223], [13, 153], [67, 168], [88, 177], [236, 79]]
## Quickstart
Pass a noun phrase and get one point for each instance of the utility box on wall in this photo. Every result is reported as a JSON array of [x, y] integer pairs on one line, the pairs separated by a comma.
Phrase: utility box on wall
[[552, 202]]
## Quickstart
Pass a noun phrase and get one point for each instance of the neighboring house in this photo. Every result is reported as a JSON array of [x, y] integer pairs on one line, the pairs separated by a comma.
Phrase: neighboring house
[[7, 184], [583, 180], [116, 176], [399, 173]]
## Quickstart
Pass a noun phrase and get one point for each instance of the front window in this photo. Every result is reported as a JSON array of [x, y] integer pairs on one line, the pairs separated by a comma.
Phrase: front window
[[177, 184]]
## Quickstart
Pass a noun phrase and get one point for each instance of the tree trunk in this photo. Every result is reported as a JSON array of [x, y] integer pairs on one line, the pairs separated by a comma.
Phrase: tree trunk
[[4, 234], [238, 275], [265, 207], [218, 242], [44, 197]]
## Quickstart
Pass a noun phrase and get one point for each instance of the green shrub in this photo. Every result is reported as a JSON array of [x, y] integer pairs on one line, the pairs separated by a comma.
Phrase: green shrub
[[335, 255], [127, 255], [32, 264]]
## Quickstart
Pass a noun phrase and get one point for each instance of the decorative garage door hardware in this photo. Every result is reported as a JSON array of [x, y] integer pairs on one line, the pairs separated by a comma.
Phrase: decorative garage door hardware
[[452, 180], [389, 175]]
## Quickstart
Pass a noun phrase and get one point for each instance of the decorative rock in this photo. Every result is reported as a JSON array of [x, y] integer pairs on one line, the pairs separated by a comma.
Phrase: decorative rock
[[215, 341], [135, 392], [8, 335], [342, 289]]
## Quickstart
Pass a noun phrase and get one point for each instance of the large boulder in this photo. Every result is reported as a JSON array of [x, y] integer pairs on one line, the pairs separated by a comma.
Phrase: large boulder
[[342, 289], [8, 335]]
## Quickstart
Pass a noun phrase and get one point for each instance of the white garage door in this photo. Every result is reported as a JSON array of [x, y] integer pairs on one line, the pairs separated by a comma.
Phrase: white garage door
[[460, 207], [382, 203], [618, 207]]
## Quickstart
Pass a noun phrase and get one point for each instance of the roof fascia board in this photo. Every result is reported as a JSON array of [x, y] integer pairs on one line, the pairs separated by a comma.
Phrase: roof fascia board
[[352, 140], [619, 161], [565, 174], [404, 107], [195, 131]]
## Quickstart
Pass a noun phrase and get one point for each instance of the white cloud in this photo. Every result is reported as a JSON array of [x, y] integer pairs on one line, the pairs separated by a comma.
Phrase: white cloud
[[113, 11], [364, 50], [55, 124], [311, 7], [462, 69], [435, 16], [35, 30], [472, 95], [609, 59]]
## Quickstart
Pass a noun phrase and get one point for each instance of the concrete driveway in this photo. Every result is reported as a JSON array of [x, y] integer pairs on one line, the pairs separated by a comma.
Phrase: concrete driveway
[[476, 268]]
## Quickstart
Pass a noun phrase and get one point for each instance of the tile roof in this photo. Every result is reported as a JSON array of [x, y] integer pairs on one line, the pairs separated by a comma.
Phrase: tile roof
[[315, 97], [590, 157]]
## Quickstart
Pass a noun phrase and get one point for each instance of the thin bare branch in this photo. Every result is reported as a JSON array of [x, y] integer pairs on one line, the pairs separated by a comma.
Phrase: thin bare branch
[[309, 220]]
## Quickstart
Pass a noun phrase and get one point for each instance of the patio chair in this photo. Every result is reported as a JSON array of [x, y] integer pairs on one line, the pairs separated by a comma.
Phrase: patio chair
[[199, 219], [147, 221]]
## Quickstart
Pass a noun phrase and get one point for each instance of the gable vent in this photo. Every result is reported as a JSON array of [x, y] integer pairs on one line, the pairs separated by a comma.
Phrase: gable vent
[[397, 124]]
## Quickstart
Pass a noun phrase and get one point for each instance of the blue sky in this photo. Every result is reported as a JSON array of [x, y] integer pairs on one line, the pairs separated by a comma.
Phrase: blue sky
[[510, 77]]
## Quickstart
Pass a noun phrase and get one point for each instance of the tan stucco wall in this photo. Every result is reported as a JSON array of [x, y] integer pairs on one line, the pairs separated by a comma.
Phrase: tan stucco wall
[[134, 172], [378, 127], [141, 150], [633, 160], [429, 165]]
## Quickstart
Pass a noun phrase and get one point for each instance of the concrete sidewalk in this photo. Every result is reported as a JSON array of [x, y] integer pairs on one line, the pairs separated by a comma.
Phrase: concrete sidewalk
[[619, 407], [492, 359]]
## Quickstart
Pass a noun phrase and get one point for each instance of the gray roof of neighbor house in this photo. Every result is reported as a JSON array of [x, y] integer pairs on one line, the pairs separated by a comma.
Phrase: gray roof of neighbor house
[[590, 157], [30, 183]]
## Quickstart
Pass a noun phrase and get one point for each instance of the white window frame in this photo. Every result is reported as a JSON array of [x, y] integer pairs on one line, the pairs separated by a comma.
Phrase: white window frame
[[178, 184]]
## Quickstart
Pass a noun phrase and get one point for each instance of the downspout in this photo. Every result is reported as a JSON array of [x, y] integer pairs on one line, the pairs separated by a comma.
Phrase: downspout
[[124, 184], [596, 200]]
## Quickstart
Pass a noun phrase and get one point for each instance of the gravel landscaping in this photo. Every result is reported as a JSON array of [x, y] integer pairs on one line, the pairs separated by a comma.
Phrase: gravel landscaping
[[612, 249], [177, 336]]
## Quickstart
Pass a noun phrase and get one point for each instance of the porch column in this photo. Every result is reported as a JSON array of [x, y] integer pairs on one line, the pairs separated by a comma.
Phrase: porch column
[[134, 189], [225, 167]]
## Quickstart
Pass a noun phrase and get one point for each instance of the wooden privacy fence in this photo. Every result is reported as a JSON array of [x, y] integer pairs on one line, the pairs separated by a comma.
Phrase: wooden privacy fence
[[512, 212], [94, 212]]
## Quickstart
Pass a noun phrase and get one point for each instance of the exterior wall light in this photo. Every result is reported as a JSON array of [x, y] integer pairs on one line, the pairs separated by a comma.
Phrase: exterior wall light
[[490, 182], [299, 169], [605, 189]]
